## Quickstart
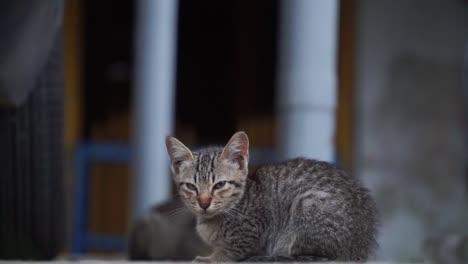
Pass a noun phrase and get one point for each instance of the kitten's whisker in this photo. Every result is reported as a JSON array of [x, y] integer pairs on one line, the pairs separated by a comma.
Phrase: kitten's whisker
[[176, 214], [176, 211], [230, 214], [236, 209], [235, 213]]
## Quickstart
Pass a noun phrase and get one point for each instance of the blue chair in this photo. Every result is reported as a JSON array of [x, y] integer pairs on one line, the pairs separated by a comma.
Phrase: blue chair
[[82, 239]]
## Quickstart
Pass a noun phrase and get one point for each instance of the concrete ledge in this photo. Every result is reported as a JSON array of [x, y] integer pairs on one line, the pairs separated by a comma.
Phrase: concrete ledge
[[165, 262]]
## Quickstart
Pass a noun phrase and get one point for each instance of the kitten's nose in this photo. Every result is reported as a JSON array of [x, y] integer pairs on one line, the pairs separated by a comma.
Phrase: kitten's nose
[[204, 201]]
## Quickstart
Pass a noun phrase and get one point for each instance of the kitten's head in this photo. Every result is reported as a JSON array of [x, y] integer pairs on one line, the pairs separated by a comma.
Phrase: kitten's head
[[210, 181]]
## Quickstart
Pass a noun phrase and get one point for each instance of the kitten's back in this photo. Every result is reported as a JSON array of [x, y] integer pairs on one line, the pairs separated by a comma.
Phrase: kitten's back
[[311, 198]]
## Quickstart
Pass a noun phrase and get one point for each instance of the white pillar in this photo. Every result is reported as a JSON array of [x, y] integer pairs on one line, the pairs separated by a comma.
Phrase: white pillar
[[154, 100], [307, 78]]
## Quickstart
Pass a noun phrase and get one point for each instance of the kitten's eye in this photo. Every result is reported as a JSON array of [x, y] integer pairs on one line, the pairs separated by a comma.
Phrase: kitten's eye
[[191, 186], [219, 185]]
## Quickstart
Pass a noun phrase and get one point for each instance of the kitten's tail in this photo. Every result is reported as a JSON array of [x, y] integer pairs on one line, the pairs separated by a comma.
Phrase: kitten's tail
[[284, 259]]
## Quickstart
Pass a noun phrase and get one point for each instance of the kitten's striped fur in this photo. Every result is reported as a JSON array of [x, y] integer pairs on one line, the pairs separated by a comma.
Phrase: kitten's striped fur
[[295, 210]]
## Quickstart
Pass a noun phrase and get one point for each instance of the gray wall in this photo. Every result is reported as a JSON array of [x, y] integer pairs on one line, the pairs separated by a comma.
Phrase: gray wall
[[410, 141]]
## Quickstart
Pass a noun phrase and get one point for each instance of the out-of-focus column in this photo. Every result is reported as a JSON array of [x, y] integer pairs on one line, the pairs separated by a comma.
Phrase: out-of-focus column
[[155, 61], [307, 78]]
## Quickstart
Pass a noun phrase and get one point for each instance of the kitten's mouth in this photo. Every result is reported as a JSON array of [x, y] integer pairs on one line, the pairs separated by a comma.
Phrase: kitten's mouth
[[206, 213]]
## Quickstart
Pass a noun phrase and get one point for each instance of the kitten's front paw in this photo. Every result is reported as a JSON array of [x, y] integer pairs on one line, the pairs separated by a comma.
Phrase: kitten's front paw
[[202, 259]]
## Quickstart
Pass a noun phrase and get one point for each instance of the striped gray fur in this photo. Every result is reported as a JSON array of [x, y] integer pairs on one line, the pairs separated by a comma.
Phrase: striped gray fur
[[296, 210]]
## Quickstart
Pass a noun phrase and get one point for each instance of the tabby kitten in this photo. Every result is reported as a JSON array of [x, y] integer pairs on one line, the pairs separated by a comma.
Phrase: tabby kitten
[[300, 209]]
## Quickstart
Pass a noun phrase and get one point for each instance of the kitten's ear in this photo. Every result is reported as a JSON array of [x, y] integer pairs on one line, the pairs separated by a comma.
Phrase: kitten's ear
[[237, 150], [178, 153]]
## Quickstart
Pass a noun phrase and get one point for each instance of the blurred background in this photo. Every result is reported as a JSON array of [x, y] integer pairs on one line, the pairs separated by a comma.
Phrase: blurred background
[[89, 90]]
